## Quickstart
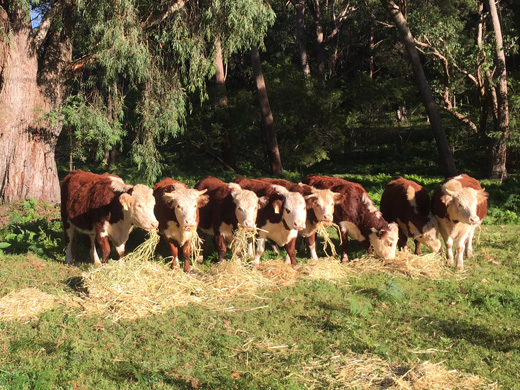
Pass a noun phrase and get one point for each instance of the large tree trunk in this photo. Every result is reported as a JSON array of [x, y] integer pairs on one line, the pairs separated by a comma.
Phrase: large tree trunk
[[228, 154], [27, 90], [443, 147], [498, 147], [300, 36], [267, 116]]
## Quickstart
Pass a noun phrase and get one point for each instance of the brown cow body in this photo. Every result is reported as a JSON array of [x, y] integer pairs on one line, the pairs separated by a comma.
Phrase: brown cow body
[[104, 207], [229, 206], [459, 205], [408, 204], [177, 210], [281, 219], [358, 218], [320, 208]]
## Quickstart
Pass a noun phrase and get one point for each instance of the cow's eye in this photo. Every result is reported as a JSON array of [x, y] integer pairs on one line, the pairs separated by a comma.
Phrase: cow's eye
[[288, 211], [240, 208]]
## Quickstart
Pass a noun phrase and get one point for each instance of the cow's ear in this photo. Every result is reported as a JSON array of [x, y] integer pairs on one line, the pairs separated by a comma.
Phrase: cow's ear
[[277, 206], [338, 197], [262, 202], [446, 199], [202, 200], [311, 201], [482, 196], [125, 200], [235, 188]]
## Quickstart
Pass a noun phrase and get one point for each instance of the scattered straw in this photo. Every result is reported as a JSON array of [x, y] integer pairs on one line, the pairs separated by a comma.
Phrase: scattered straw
[[327, 242], [195, 245], [369, 372], [145, 251], [327, 269], [25, 304], [243, 240]]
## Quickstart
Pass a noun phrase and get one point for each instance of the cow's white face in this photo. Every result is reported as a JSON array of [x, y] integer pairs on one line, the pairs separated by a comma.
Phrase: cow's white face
[[384, 241], [462, 202], [246, 205], [185, 203], [429, 235], [323, 202], [294, 208], [138, 207]]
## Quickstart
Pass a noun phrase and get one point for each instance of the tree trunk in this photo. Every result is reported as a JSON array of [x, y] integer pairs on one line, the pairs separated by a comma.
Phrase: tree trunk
[[300, 36], [320, 42], [498, 147], [28, 89], [228, 155], [443, 147], [267, 116]]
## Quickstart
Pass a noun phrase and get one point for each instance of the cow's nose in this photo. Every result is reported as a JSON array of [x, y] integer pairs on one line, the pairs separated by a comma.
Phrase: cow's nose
[[327, 218], [249, 225], [474, 220], [299, 226], [190, 223], [155, 225]]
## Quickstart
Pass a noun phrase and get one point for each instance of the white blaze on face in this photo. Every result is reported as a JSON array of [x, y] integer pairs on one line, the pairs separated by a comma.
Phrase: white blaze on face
[[323, 202], [462, 202], [430, 235], [138, 207], [185, 202], [384, 241], [246, 206], [294, 208]]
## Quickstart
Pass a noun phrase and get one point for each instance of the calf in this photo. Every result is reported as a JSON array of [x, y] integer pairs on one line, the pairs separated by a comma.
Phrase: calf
[[229, 206], [320, 208], [281, 220], [408, 204], [103, 207], [177, 210], [358, 218], [460, 205]]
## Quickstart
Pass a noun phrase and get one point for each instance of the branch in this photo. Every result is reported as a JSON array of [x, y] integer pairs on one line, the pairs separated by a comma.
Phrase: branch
[[42, 30], [465, 120], [152, 21]]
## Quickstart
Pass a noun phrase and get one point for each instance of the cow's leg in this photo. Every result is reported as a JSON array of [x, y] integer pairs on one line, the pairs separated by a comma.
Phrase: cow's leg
[[402, 241], [69, 240], [291, 252], [174, 252], [368, 247], [121, 250], [469, 243], [220, 245], [93, 253], [276, 248], [186, 252], [460, 253], [344, 246], [449, 250], [104, 244], [250, 248], [311, 240], [260, 248], [417, 247]]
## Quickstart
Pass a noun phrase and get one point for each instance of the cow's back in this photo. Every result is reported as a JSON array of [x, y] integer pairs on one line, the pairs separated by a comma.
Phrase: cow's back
[[402, 197]]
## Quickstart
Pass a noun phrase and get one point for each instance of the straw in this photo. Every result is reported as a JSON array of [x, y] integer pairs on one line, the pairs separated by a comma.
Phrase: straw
[[25, 304]]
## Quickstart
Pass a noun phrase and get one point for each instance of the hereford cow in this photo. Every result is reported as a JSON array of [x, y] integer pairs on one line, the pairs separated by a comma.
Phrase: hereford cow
[[459, 205], [408, 204], [103, 207], [281, 220], [358, 218], [177, 210], [320, 208], [229, 206]]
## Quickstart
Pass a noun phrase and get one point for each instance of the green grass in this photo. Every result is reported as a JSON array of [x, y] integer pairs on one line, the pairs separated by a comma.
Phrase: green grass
[[466, 321]]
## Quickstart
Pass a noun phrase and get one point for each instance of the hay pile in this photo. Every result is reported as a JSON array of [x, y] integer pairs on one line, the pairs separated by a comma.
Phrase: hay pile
[[329, 269], [243, 245], [370, 372], [25, 304]]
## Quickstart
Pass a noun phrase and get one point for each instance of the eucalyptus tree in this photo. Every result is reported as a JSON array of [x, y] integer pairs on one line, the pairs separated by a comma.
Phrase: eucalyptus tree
[[106, 72]]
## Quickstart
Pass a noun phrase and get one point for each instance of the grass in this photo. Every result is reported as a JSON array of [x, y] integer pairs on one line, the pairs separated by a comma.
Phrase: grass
[[288, 337]]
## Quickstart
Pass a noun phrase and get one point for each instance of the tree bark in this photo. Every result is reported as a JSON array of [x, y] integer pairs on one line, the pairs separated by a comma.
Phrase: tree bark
[[498, 147], [300, 36], [29, 87], [443, 147], [275, 160], [228, 154]]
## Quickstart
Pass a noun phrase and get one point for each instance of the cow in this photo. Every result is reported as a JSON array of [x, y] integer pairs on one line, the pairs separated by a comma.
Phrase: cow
[[358, 218], [104, 207], [320, 208], [177, 210], [229, 206], [281, 220], [408, 204], [460, 205]]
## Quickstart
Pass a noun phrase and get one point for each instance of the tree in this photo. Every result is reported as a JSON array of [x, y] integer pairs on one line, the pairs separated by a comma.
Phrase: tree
[[443, 146], [144, 57]]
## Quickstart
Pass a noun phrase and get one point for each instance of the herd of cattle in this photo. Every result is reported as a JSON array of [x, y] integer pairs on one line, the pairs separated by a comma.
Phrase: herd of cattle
[[105, 207]]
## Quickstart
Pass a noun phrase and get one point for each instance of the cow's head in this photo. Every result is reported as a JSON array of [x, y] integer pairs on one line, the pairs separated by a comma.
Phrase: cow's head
[[294, 211], [138, 204], [429, 235], [462, 202], [384, 240], [185, 202], [323, 202], [247, 205]]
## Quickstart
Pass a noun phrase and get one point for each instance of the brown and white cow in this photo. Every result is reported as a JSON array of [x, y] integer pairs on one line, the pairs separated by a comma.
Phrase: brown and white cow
[[281, 220], [460, 205], [408, 204], [229, 206], [358, 218], [177, 210], [104, 207], [320, 208]]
